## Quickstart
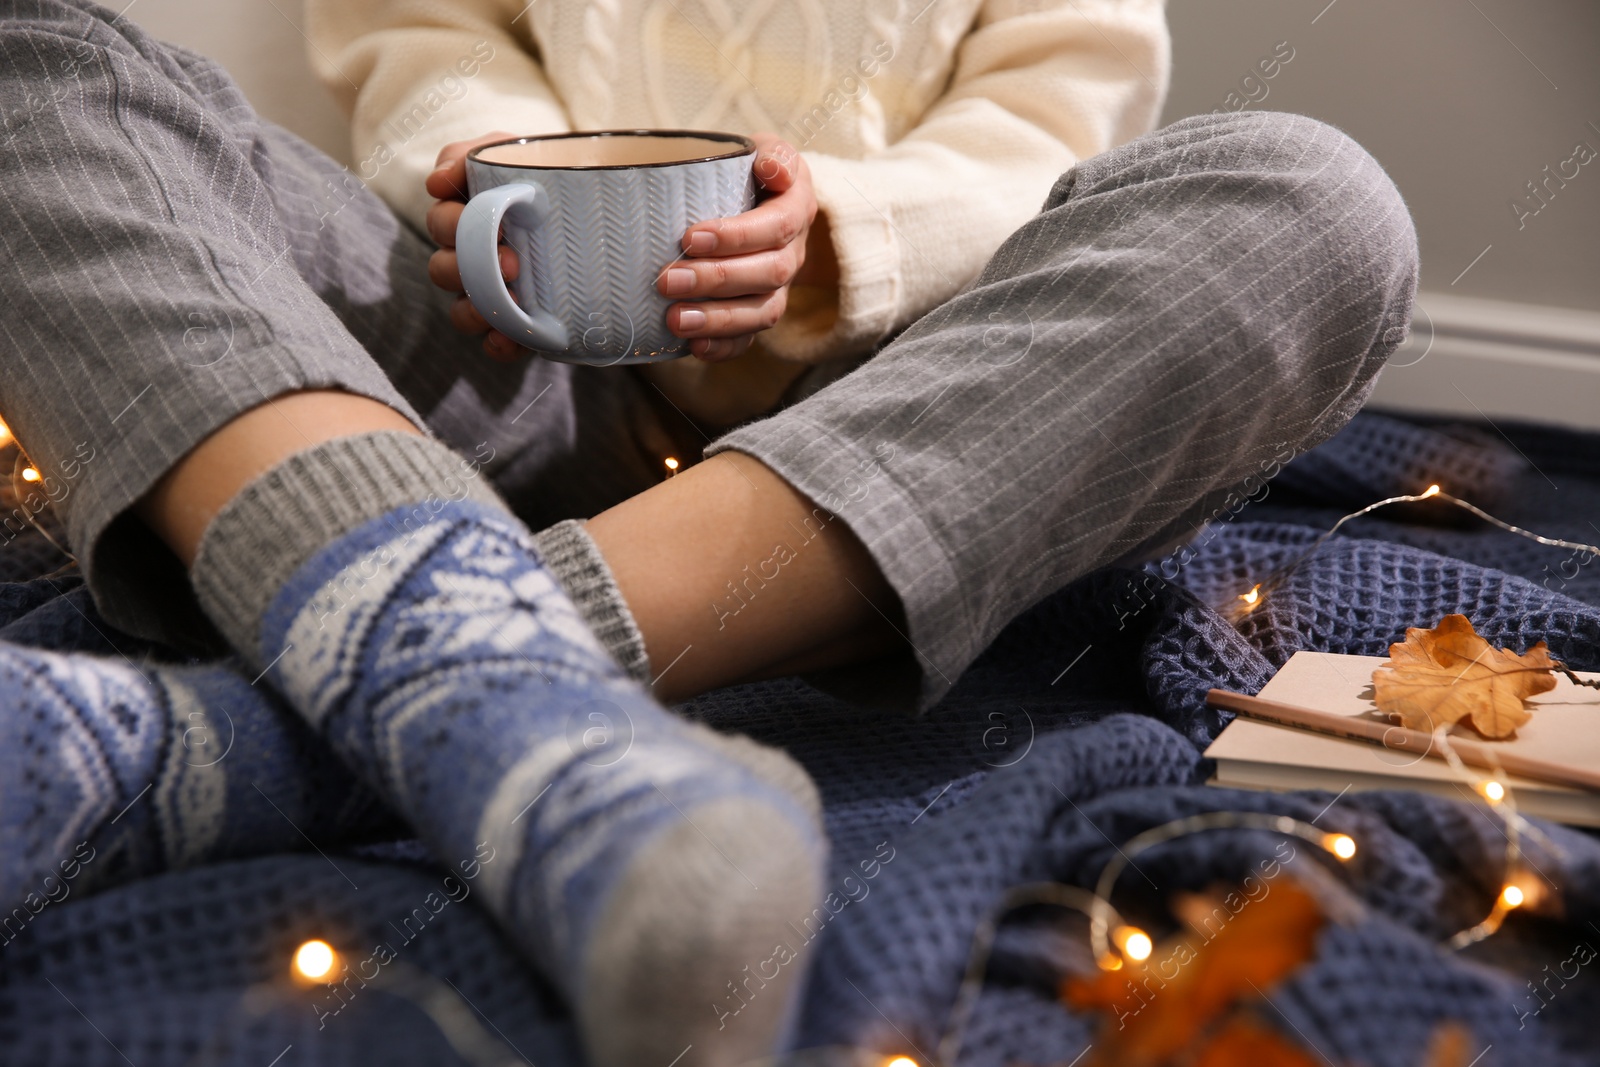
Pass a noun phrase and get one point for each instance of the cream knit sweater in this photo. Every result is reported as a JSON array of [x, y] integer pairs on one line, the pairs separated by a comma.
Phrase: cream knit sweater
[[933, 128]]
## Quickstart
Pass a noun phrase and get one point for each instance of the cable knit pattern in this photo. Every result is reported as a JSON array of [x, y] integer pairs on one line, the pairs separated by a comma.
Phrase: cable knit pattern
[[931, 129], [597, 64], [883, 30]]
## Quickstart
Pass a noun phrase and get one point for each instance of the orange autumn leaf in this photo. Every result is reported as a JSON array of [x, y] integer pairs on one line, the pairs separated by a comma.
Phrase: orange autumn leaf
[[1159, 1008], [1243, 1041], [1451, 1046], [1439, 677]]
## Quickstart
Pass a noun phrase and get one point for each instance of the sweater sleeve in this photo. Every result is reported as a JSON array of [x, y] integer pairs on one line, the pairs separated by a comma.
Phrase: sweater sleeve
[[415, 75], [1037, 85]]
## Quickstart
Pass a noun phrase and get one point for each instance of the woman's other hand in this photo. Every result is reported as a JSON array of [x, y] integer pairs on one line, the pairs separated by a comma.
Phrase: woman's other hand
[[733, 279], [448, 185]]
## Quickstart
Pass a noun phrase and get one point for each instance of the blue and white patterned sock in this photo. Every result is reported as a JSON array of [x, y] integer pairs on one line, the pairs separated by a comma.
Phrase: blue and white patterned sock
[[110, 771], [643, 862]]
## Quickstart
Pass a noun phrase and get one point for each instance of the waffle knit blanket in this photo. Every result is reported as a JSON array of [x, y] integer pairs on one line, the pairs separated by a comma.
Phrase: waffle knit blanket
[[1080, 727]]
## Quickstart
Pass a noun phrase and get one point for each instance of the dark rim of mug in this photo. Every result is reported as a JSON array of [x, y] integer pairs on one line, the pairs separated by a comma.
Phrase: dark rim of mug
[[746, 146]]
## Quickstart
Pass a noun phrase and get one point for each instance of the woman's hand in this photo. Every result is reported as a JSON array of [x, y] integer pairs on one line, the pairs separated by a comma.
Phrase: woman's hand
[[448, 183], [735, 272], [734, 275]]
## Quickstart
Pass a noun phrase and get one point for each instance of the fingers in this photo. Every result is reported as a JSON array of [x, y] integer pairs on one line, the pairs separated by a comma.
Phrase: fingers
[[448, 181], [737, 270], [448, 184], [777, 164], [442, 219], [727, 318], [444, 270], [718, 349], [723, 278], [774, 223], [502, 349], [465, 317]]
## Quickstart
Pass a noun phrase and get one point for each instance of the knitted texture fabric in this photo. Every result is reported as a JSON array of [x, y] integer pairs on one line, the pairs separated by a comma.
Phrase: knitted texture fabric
[[1076, 730], [925, 126], [274, 524], [448, 669], [569, 551], [112, 771]]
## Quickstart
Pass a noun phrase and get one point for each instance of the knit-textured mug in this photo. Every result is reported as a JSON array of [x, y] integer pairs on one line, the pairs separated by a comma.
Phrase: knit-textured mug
[[594, 218]]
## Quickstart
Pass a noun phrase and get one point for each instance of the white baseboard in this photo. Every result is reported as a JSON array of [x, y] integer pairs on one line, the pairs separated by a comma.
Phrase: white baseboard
[[1492, 359]]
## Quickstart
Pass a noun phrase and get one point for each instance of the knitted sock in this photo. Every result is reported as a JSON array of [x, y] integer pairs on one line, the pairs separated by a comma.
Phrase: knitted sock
[[643, 862], [110, 772], [571, 554], [317, 495]]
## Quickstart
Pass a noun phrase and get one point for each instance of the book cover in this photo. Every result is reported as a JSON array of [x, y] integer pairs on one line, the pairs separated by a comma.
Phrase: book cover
[[1565, 729]]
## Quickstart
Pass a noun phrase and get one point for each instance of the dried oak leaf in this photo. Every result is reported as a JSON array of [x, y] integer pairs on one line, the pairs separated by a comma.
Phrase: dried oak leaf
[[1159, 1009], [1440, 676]]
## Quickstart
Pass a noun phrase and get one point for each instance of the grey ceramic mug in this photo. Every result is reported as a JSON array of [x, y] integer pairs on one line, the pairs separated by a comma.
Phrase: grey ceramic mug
[[594, 218]]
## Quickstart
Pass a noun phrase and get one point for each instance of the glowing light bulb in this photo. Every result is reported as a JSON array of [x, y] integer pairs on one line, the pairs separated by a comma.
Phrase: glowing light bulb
[[1493, 791], [29, 474], [5, 432], [1341, 845], [1511, 897], [672, 464], [901, 1061], [1134, 942], [1432, 490], [314, 960], [1252, 596]]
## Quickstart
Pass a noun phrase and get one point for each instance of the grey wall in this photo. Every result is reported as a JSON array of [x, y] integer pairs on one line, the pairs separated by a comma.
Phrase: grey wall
[[260, 43], [1462, 115], [1457, 110]]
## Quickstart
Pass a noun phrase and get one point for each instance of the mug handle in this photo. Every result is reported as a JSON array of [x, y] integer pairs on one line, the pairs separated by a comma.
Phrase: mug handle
[[478, 255]]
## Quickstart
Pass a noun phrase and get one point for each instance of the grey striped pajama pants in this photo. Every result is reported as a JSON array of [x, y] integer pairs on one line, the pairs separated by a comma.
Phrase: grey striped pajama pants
[[1184, 310]]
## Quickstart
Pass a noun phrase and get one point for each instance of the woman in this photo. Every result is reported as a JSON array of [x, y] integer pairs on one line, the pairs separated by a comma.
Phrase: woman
[[246, 339]]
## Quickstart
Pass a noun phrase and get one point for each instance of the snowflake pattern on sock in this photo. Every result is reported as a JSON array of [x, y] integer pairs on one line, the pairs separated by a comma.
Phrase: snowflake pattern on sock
[[114, 770], [449, 669]]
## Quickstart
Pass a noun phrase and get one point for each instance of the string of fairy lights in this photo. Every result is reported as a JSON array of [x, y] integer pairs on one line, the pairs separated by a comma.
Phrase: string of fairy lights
[[1252, 597], [1115, 942], [1518, 887]]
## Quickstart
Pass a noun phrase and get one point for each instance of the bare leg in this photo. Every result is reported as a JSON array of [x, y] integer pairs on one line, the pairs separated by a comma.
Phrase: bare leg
[[184, 502], [675, 548]]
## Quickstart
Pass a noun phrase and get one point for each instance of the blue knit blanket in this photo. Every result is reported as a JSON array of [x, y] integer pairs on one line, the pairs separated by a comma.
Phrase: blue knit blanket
[[1080, 727]]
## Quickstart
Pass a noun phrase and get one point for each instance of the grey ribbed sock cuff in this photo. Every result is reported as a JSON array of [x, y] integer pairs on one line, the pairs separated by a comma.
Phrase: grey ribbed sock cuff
[[280, 520], [569, 552]]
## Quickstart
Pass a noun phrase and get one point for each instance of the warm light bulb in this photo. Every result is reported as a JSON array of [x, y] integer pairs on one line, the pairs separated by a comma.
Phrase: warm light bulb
[[902, 1061], [29, 474], [314, 960], [1432, 490], [1341, 845], [1134, 942], [1511, 897], [672, 463], [5, 432], [1253, 595], [1494, 791]]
